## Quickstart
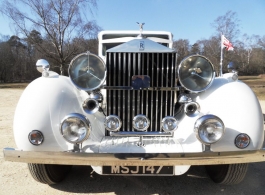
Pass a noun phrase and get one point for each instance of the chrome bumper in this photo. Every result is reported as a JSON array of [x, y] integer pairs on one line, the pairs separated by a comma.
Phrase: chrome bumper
[[131, 159]]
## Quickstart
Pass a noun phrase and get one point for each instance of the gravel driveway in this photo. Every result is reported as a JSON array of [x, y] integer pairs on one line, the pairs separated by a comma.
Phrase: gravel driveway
[[15, 178]]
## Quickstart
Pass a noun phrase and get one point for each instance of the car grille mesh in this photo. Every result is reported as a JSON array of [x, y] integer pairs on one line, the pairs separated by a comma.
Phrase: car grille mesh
[[126, 103]]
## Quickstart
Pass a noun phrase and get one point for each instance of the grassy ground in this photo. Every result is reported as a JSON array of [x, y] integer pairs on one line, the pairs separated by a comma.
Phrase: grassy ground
[[257, 84], [13, 85]]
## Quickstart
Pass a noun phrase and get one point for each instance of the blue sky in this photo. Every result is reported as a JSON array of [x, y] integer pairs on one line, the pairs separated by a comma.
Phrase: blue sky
[[189, 19]]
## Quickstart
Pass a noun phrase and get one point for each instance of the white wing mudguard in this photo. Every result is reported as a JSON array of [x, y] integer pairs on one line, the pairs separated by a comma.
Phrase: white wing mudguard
[[238, 107]]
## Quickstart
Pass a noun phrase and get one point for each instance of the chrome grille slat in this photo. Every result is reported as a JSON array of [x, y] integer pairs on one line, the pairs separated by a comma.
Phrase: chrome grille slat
[[123, 95], [161, 83], [139, 91], [129, 92], [152, 93], [147, 102], [167, 84], [127, 103], [142, 92], [172, 84], [108, 79], [114, 83], [156, 102], [119, 83], [133, 97]]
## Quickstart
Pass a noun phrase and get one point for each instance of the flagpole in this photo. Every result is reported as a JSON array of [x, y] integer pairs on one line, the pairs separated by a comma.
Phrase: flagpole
[[221, 57]]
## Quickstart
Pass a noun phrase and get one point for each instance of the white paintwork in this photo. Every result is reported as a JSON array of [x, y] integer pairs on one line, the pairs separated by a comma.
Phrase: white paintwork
[[236, 104], [47, 100]]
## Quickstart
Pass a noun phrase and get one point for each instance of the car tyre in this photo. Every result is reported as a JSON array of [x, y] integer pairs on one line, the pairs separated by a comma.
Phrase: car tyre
[[49, 174], [227, 174]]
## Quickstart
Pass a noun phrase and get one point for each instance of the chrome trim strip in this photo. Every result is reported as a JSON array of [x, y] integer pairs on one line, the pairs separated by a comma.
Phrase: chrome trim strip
[[142, 133], [152, 93], [167, 86], [114, 83], [172, 85], [129, 93], [138, 92], [119, 83], [147, 102], [162, 93], [149, 88], [134, 159], [142, 92], [175, 82], [133, 97], [109, 100], [156, 100], [124, 94]]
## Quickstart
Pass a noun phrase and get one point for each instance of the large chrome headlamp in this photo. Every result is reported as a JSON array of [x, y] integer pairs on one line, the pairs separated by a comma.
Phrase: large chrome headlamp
[[87, 71], [196, 73], [75, 128], [209, 129]]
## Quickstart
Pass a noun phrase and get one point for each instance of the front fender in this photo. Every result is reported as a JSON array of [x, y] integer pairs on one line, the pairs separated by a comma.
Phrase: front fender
[[41, 107], [236, 104]]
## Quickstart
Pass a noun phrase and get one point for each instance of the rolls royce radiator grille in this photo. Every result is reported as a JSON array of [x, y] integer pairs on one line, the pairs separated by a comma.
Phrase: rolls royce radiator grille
[[154, 102]]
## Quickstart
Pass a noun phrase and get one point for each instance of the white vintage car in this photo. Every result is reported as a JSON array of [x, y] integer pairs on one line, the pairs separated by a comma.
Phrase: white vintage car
[[136, 110]]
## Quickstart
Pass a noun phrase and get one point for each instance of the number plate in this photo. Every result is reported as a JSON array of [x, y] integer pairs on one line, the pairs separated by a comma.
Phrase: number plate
[[142, 170]]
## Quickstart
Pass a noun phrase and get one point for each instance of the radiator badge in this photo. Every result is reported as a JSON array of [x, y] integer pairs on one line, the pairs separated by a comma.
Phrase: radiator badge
[[141, 46], [140, 82]]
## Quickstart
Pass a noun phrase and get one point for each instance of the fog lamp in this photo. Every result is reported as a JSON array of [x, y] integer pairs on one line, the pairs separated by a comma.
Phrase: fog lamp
[[36, 137], [75, 128], [169, 124], [141, 122], [209, 129], [113, 123], [242, 141]]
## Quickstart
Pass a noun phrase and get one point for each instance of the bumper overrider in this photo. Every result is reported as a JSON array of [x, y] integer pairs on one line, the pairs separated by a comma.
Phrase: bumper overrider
[[135, 159]]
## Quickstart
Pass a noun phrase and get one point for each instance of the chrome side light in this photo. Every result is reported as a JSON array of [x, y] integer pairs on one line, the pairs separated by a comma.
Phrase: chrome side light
[[75, 128], [242, 141], [113, 123], [141, 122], [42, 65], [36, 137], [235, 77], [169, 124], [209, 129]]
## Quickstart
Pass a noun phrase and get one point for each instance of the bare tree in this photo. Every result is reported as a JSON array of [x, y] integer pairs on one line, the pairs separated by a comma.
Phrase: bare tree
[[182, 46], [59, 20], [228, 25]]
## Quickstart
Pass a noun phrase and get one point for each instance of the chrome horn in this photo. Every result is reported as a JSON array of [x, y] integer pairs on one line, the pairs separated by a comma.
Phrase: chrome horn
[[91, 106], [191, 108]]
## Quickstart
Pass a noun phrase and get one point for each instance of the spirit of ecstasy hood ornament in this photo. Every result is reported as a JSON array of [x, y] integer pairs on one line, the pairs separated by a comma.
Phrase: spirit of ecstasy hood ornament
[[141, 28]]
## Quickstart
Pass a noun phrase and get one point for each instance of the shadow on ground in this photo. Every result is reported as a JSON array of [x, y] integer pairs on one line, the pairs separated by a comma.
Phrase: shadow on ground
[[83, 179]]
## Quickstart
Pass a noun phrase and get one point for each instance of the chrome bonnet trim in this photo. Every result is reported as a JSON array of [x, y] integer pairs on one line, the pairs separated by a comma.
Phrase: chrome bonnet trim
[[134, 159]]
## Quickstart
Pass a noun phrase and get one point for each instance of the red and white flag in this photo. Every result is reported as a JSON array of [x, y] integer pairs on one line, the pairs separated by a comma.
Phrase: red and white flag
[[225, 43]]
